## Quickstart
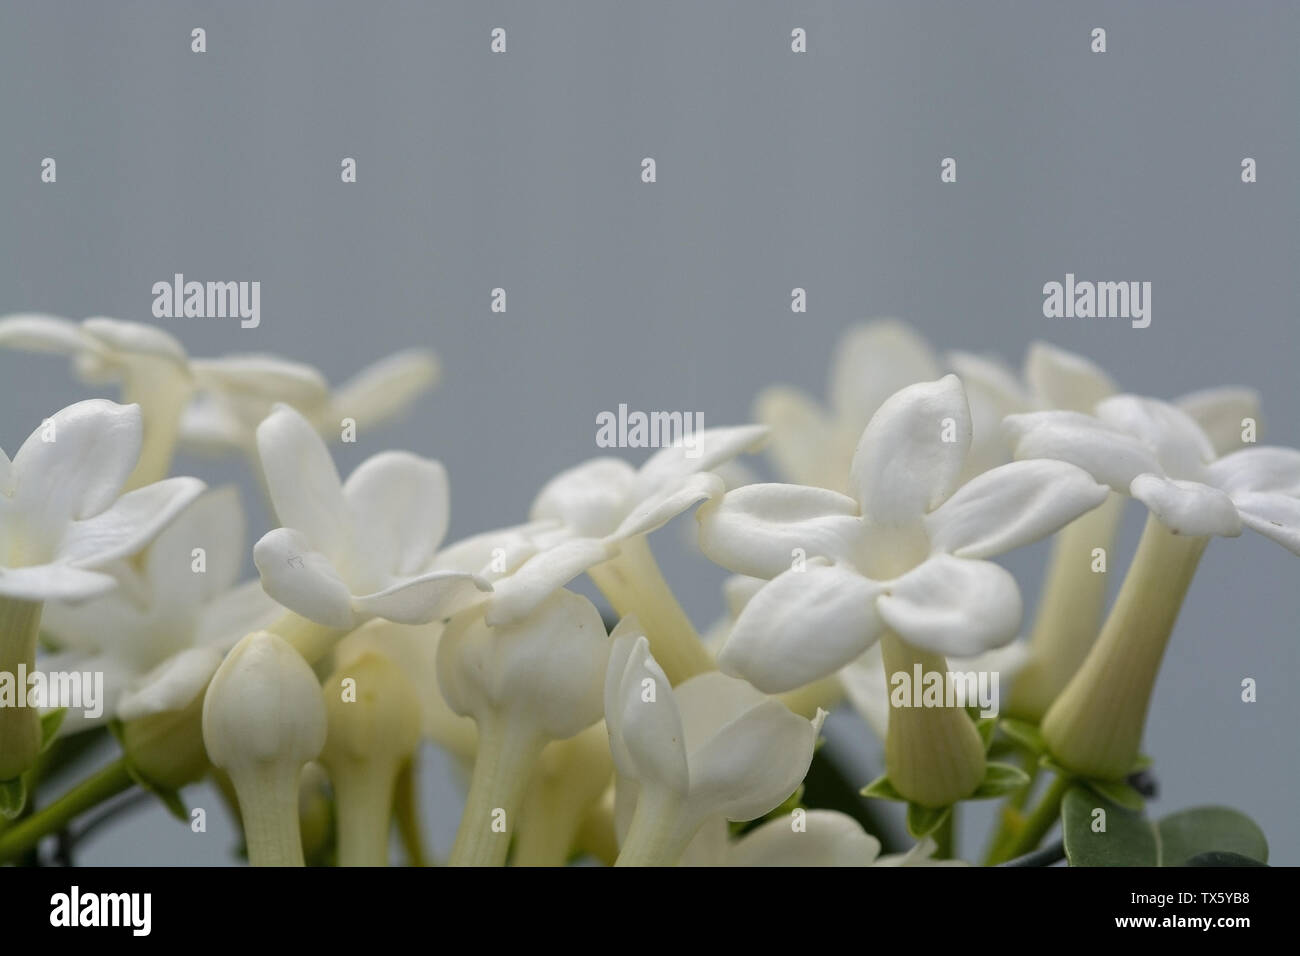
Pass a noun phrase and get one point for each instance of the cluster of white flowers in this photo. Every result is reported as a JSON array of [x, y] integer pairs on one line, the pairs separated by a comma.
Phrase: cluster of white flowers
[[366, 635]]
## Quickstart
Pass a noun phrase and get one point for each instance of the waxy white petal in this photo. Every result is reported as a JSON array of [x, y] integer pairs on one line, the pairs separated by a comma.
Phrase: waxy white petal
[[904, 466], [1011, 506], [302, 579], [399, 505], [641, 715], [387, 387], [420, 599], [1065, 381], [660, 507], [592, 498], [1182, 448], [302, 480], [953, 606], [1221, 413], [1188, 507], [1267, 468], [801, 436], [519, 593], [873, 360], [1273, 515], [759, 529], [1111, 456], [53, 582], [705, 450], [828, 838], [172, 685], [127, 525], [801, 627]]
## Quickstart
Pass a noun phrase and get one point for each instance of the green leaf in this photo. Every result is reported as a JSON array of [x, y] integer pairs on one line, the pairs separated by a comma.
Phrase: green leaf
[[924, 820], [999, 778], [1215, 858], [50, 724], [882, 789], [1025, 734], [1129, 839], [13, 797], [986, 726], [1118, 792]]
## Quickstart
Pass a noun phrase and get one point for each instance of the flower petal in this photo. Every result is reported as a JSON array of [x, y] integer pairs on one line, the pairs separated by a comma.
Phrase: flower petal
[[994, 392], [801, 437], [518, 594], [953, 606], [172, 685], [1221, 413], [1109, 455], [1188, 507], [129, 524], [873, 360], [137, 340], [912, 452], [302, 480], [1062, 380], [757, 529], [231, 615], [387, 387], [1011, 506], [53, 582], [801, 627], [591, 498], [828, 838], [645, 727], [302, 579], [75, 464], [1181, 447], [35, 332], [421, 599], [1273, 515], [399, 507], [662, 506], [1269, 468], [704, 451]]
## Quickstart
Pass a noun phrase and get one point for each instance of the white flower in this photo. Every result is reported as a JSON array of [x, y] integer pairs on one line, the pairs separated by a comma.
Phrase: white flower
[[350, 552], [63, 516], [263, 719], [906, 555], [1157, 453], [168, 602], [818, 838], [524, 683], [712, 747]]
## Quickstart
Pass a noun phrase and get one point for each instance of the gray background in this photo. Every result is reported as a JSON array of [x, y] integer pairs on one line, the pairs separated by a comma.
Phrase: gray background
[[775, 170]]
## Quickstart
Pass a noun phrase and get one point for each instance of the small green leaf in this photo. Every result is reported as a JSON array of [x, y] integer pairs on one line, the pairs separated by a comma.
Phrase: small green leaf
[[999, 778], [1129, 839], [1118, 792], [50, 724], [1143, 762], [13, 797], [1025, 734], [924, 820], [882, 789], [986, 726], [175, 806]]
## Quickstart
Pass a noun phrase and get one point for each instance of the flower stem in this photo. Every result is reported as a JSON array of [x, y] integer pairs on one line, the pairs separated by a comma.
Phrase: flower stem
[[654, 836], [633, 584], [1037, 824], [501, 772], [1095, 726], [365, 805], [268, 807], [20, 723], [549, 826], [406, 811], [94, 790], [933, 755]]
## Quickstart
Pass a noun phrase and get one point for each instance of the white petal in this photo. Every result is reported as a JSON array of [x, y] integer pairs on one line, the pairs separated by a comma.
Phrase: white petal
[[953, 606], [399, 505], [53, 582], [867, 689], [872, 361], [137, 339], [803, 626], [231, 615], [752, 764], [214, 523], [255, 382], [129, 524], [1065, 381], [704, 451], [302, 579], [801, 437], [1109, 455], [419, 600], [1188, 507], [34, 332], [1181, 447], [209, 427], [517, 594], [1221, 412], [172, 685], [302, 479], [75, 464], [662, 506], [758, 529], [1011, 506], [592, 498], [828, 838], [649, 744], [993, 392], [1268, 468], [1273, 515], [904, 466], [382, 390]]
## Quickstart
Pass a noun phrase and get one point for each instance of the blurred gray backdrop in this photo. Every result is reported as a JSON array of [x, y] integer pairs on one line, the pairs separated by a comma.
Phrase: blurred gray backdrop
[[775, 170]]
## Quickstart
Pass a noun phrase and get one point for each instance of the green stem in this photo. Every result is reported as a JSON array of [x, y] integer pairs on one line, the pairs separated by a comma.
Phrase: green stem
[[20, 723], [406, 811], [268, 806], [91, 792], [1038, 823], [945, 837], [502, 769]]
